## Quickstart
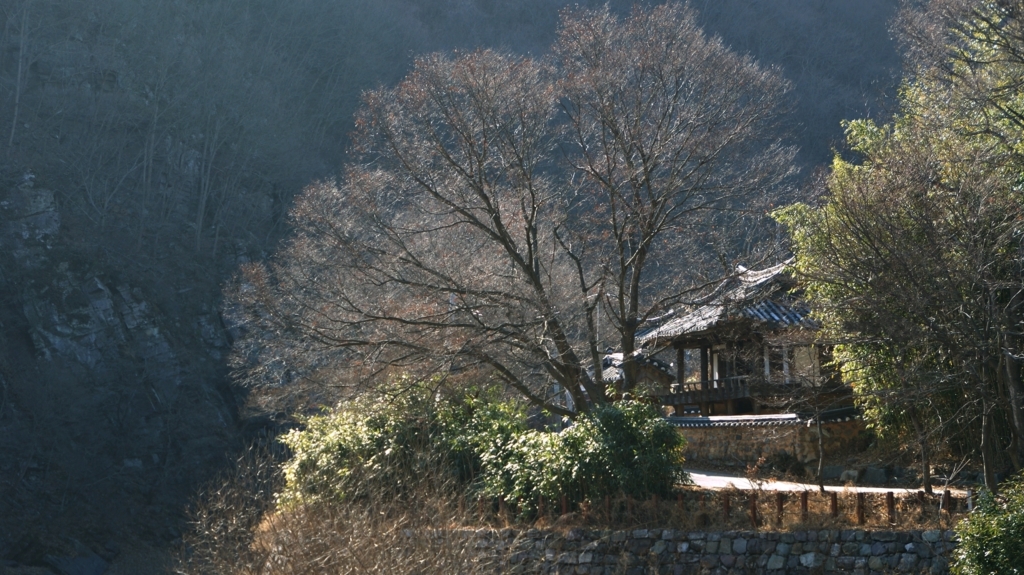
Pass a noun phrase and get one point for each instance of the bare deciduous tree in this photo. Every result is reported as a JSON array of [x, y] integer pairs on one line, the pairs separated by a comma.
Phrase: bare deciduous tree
[[500, 201]]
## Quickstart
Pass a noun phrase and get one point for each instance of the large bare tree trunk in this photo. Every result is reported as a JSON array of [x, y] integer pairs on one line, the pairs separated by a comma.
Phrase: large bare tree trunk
[[1015, 392], [988, 455], [820, 476], [922, 439]]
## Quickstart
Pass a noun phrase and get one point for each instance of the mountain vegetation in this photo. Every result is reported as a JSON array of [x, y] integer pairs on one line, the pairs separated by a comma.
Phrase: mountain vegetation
[[152, 147]]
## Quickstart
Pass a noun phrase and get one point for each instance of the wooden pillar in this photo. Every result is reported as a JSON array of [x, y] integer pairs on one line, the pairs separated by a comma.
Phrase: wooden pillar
[[680, 366], [704, 377], [767, 365]]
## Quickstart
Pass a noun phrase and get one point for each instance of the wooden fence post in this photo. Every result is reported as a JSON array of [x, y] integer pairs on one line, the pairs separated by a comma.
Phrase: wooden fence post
[[890, 506], [970, 500], [947, 500], [803, 506], [780, 499], [860, 508], [834, 503], [753, 509]]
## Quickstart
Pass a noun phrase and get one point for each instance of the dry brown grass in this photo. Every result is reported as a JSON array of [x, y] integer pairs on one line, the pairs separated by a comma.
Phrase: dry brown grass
[[427, 526], [238, 530]]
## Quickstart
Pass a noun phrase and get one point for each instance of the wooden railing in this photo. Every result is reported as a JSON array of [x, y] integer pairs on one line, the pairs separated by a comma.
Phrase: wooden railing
[[707, 391]]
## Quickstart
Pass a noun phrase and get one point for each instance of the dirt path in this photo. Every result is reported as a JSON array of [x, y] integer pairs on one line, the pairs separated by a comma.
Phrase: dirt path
[[719, 480]]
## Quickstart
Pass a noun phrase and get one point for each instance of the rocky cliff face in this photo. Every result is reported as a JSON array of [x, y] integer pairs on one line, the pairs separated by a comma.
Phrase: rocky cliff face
[[112, 406]]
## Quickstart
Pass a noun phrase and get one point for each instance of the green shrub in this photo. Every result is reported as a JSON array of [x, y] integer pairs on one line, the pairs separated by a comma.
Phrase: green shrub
[[388, 439], [992, 537], [623, 448], [385, 441]]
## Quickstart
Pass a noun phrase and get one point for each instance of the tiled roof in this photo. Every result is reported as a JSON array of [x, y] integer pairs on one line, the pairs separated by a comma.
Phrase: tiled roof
[[758, 295], [612, 365]]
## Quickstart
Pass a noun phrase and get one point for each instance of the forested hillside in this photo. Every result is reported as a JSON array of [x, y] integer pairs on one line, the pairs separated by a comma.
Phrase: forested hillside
[[151, 146]]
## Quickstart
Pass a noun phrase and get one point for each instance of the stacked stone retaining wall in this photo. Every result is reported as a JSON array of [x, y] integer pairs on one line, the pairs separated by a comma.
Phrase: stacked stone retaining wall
[[664, 551]]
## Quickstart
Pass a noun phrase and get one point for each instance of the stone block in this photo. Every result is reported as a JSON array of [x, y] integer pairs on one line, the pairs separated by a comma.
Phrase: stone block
[[776, 562], [846, 563], [931, 536], [831, 472], [711, 547], [739, 546], [813, 559], [659, 547], [728, 561], [725, 546], [875, 476], [782, 549], [683, 547], [907, 562], [883, 536], [850, 475]]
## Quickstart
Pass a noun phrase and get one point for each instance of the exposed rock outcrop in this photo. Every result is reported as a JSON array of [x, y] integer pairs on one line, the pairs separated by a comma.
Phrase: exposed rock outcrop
[[113, 408]]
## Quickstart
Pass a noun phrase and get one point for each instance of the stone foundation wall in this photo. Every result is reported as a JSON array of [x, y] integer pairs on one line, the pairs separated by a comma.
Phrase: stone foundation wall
[[658, 551], [745, 445]]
